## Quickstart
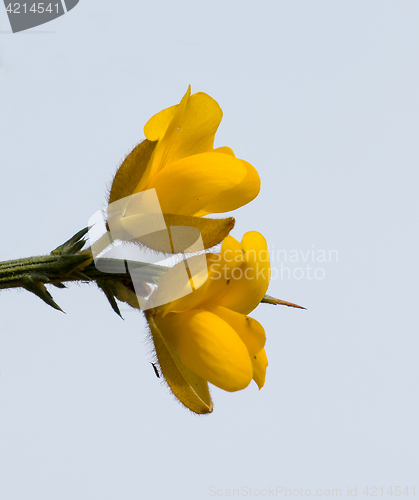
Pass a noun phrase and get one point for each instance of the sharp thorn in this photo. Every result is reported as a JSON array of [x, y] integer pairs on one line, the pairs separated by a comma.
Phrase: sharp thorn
[[267, 299]]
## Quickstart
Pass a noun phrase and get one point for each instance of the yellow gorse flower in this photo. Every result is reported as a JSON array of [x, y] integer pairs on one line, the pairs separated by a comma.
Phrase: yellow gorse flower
[[206, 336], [190, 177]]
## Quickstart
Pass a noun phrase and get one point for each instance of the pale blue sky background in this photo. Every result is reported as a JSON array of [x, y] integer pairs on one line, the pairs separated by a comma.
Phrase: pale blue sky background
[[322, 98]]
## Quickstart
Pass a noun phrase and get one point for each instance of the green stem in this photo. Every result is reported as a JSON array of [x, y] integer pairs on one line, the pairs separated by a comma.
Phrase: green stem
[[46, 269], [57, 269]]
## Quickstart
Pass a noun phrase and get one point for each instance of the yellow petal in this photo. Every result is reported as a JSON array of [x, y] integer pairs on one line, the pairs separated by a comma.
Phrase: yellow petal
[[189, 388], [250, 187], [248, 285], [230, 256], [162, 127], [237, 196], [248, 329], [209, 347], [157, 125], [205, 183], [224, 149], [195, 130], [183, 130], [163, 124], [259, 362], [239, 286]]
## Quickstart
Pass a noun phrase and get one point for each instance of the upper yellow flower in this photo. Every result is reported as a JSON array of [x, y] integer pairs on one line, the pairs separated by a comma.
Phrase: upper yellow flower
[[206, 336], [190, 177]]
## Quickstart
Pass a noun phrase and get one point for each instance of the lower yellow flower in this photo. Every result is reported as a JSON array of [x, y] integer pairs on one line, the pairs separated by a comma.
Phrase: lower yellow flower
[[206, 336]]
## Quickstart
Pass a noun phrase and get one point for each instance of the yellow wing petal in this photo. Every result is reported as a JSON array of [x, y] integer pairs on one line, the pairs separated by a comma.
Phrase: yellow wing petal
[[205, 183], [248, 329], [209, 347]]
